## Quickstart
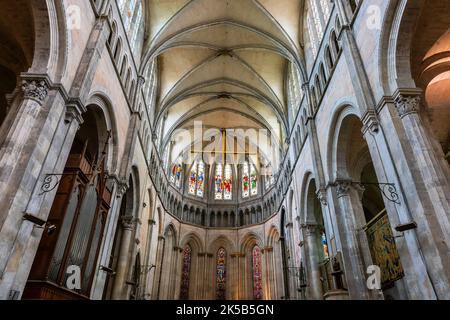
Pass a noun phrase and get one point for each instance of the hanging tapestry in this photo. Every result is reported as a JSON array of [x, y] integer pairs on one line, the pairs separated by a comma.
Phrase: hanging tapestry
[[384, 251]]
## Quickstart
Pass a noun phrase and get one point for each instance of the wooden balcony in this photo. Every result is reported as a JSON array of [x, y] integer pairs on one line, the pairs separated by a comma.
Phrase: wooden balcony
[[44, 290]]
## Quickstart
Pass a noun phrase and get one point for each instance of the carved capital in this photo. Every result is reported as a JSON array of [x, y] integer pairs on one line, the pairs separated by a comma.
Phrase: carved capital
[[343, 188], [407, 103], [74, 111], [128, 223], [35, 89], [310, 229]]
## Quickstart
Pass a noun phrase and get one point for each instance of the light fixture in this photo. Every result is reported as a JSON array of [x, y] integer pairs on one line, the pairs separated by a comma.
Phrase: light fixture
[[406, 227], [39, 223], [107, 270]]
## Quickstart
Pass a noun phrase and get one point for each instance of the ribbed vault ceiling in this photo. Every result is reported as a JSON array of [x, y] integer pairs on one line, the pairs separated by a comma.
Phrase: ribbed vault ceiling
[[223, 61]]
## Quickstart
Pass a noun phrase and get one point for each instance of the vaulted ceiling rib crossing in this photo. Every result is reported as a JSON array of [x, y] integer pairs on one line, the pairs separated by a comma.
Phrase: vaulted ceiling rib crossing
[[223, 62]]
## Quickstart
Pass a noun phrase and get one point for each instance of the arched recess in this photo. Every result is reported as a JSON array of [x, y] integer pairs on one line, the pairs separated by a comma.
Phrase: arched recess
[[168, 265], [79, 213], [316, 243], [103, 102], [395, 55], [191, 279], [273, 260], [366, 234], [253, 272], [221, 268]]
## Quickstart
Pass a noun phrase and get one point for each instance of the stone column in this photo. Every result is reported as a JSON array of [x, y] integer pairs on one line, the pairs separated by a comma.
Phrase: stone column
[[235, 289], [147, 258], [285, 269], [200, 289], [240, 276], [263, 273], [431, 175], [158, 270], [349, 203], [36, 141], [416, 282], [291, 263], [210, 277], [270, 281], [176, 275], [120, 288], [311, 236]]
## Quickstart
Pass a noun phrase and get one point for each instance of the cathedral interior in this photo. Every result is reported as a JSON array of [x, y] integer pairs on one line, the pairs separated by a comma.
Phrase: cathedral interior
[[225, 150]]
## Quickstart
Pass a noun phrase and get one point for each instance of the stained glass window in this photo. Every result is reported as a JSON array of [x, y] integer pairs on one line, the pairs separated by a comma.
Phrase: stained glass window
[[221, 274], [228, 183], [245, 181], [249, 180], [197, 179], [257, 274], [218, 182], [253, 181], [185, 273], [200, 179], [193, 179], [176, 174]]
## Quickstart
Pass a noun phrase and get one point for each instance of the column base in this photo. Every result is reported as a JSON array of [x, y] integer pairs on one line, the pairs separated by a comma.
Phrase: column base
[[336, 295]]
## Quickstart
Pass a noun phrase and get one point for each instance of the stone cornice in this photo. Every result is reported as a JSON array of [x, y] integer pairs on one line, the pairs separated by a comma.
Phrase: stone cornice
[[237, 255], [370, 122]]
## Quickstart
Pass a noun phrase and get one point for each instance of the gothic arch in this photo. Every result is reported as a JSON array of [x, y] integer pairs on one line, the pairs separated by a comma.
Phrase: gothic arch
[[335, 154], [197, 250], [231, 278], [273, 257], [396, 39], [50, 53], [248, 244], [104, 105], [168, 265]]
